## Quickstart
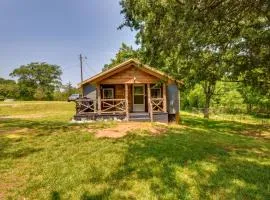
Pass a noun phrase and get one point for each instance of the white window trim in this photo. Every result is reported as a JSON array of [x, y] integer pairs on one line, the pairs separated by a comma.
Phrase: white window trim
[[108, 89]]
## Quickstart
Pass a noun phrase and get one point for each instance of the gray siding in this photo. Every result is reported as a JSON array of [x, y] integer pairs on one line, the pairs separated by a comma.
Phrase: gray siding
[[160, 117], [173, 99], [89, 91]]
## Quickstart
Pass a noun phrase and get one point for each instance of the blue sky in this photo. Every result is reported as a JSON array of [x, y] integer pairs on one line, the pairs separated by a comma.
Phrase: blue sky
[[57, 31]]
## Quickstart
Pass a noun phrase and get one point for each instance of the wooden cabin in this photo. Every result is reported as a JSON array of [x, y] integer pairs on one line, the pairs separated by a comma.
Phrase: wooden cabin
[[129, 91]]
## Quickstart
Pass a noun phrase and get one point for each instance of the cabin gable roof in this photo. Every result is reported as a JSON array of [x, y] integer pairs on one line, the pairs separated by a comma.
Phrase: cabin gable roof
[[123, 67]]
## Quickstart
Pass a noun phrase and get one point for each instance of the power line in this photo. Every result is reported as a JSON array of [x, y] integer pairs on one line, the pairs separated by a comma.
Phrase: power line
[[90, 68]]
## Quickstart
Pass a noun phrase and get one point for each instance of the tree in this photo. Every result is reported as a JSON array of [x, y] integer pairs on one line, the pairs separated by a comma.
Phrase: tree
[[125, 52], [69, 89], [200, 41], [62, 93], [255, 101], [37, 80], [8, 89]]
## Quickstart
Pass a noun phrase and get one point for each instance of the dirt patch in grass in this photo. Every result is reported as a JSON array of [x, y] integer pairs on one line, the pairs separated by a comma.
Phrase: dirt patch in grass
[[265, 133], [28, 116], [14, 133], [122, 129]]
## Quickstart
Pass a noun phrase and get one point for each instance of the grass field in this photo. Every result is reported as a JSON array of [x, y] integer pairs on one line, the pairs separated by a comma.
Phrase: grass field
[[44, 156]]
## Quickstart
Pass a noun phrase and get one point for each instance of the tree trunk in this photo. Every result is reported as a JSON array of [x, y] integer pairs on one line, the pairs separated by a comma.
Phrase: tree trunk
[[206, 107], [249, 108], [209, 89]]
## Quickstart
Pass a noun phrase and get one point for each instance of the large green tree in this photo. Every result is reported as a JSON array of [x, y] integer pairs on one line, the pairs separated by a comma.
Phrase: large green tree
[[203, 41], [37, 80], [124, 53]]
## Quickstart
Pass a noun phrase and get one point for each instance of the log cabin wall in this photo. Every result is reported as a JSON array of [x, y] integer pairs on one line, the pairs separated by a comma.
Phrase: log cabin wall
[[119, 91], [131, 76], [130, 98]]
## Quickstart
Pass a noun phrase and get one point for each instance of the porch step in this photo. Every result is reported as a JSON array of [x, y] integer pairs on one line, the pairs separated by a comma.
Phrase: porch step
[[139, 117]]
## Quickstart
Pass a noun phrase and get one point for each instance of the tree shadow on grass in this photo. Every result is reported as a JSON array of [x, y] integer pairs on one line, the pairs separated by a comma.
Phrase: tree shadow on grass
[[99, 196], [185, 164], [12, 132], [241, 179], [37, 125], [8, 149], [55, 195], [45, 127], [247, 129]]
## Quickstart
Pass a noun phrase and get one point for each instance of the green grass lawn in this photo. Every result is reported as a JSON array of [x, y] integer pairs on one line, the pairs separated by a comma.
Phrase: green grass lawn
[[43, 156]]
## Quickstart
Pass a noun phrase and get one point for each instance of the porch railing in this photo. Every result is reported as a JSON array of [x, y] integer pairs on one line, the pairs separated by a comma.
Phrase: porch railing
[[107, 106], [113, 105], [84, 106], [157, 104]]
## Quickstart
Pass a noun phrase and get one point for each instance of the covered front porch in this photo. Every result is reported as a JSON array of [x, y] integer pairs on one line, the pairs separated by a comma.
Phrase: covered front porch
[[130, 102]]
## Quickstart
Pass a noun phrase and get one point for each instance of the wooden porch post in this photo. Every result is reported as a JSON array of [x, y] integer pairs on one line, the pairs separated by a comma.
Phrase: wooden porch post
[[126, 97], [149, 102], [99, 98], [164, 97]]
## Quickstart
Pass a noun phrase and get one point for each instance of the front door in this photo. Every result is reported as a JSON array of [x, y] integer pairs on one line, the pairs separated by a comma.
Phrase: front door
[[138, 98]]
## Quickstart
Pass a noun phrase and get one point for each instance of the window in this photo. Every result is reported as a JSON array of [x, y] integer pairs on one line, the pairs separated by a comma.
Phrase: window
[[138, 95], [108, 93], [138, 90], [156, 93]]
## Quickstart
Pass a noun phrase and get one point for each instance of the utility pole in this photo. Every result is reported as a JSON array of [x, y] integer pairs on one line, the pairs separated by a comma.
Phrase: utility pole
[[81, 64]]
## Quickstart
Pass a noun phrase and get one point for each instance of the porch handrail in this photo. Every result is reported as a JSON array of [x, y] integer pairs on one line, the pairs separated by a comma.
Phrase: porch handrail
[[113, 99], [157, 104], [113, 105], [84, 106]]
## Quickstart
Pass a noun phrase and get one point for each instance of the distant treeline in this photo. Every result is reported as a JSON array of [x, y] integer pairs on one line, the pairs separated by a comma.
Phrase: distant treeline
[[36, 81]]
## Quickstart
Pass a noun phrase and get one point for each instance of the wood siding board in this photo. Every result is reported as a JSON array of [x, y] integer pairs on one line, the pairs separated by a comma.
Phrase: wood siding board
[[130, 98], [109, 74], [130, 76], [119, 91], [128, 64]]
